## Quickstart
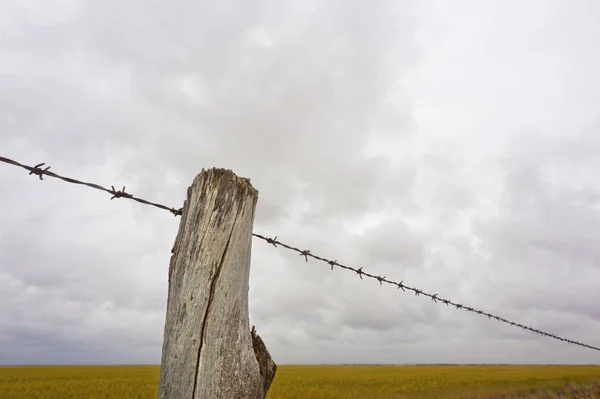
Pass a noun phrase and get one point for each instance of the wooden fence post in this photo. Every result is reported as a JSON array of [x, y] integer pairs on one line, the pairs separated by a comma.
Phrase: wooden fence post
[[209, 351]]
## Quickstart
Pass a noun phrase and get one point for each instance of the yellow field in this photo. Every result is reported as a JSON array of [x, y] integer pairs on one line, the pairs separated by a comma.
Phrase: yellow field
[[81, 382], [439, 382], [302, 382]]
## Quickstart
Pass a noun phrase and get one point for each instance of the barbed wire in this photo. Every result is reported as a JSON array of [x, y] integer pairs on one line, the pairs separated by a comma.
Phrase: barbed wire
[[400, 285], [38, 171]]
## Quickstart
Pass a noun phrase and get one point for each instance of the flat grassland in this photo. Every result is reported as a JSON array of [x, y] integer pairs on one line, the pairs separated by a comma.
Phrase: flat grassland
[[331, 382]]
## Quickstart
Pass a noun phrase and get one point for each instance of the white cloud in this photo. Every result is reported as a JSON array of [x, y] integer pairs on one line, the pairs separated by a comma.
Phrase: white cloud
[[451, 146]]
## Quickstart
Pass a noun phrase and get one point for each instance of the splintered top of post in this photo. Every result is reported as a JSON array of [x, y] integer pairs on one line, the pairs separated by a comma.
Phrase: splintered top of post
[[230, 190], [219, 179], [215, 174]]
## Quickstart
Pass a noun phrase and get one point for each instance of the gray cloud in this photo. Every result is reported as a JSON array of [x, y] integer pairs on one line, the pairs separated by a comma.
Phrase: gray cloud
[[424, 144]]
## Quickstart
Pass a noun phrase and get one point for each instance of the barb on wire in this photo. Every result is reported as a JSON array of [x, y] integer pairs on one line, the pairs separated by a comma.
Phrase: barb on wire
[[38, 171], [434, 297]]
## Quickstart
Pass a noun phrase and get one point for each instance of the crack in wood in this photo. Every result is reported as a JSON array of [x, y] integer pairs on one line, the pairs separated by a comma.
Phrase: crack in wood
[[209, 307]]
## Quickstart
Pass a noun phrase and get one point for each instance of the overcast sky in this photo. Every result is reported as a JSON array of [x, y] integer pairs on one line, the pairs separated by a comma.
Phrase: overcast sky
[[454, 145]]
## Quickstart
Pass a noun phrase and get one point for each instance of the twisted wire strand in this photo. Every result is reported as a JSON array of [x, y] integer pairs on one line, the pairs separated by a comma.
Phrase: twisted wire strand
[[37, 170]]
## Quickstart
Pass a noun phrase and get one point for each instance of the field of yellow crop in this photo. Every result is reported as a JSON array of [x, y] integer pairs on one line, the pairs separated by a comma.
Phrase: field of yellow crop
[[439, 382], [81, 382], [331, 382]]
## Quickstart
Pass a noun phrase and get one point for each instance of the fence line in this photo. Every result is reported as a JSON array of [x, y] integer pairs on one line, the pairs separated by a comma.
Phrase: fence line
[[38, 171]]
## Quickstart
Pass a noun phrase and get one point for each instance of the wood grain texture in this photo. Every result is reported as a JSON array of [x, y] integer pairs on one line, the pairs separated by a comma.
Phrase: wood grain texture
[[208, 349]]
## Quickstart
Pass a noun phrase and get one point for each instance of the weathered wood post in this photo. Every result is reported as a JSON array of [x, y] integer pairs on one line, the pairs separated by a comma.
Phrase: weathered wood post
[[209, 351]]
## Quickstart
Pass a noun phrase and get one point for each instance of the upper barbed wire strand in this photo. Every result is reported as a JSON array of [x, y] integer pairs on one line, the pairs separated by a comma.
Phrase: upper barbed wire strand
[[38, 171]]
